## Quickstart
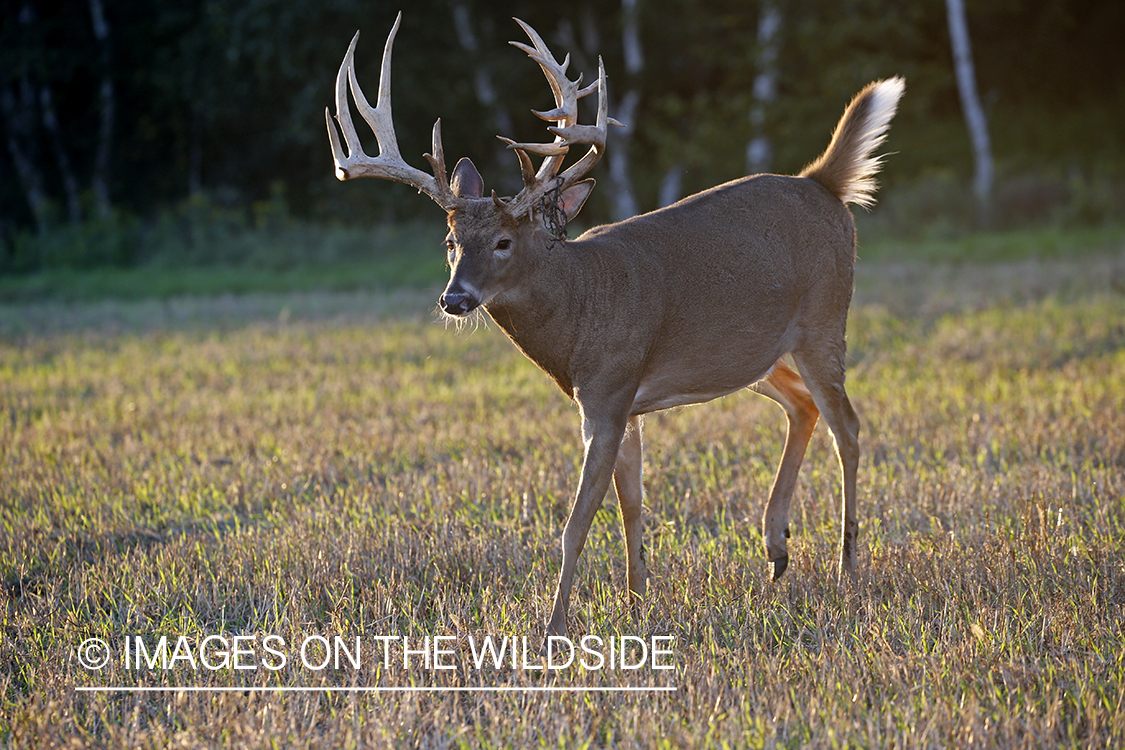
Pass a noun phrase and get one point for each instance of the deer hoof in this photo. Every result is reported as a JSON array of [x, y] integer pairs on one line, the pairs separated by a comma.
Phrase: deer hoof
[[779, 565]]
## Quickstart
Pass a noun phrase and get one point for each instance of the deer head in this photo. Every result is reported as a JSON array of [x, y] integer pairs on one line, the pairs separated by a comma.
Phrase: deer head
[[491, 238]]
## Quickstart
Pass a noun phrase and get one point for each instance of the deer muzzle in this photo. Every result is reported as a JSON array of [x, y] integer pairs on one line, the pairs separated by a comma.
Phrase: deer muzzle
[[458, 303]]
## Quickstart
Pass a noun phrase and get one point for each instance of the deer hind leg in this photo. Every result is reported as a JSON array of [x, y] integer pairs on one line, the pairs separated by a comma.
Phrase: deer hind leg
[[630, 496], [785, 386], [823, 370]]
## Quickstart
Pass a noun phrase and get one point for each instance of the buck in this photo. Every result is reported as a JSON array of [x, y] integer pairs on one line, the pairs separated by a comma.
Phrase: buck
[[673, 307]]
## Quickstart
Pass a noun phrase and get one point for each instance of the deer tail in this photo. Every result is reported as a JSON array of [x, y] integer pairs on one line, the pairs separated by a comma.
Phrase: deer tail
[[847, 167]]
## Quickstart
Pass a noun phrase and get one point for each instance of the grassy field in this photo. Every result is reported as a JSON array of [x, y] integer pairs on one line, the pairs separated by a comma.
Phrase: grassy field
[[311, 464]]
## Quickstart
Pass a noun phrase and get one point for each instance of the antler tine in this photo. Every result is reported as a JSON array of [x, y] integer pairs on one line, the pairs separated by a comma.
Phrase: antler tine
[[541, 53], [595, 135], [527, 169], [389, 164], [437, 159], [566, 129], [566, 99], [379, 118], [343, 118]]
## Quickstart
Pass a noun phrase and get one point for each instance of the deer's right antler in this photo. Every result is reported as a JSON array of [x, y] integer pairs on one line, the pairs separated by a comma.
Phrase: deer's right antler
[[389, 164], [566, 129]]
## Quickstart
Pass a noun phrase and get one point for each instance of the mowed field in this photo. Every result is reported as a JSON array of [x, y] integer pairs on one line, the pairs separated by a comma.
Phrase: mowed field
[[317, 465]]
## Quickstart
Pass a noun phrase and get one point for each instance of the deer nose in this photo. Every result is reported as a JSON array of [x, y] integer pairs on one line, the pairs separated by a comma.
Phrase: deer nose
[[457, 303]]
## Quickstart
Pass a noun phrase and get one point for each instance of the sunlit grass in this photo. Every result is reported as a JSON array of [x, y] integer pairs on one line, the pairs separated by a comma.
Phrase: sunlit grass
[[315, 464]]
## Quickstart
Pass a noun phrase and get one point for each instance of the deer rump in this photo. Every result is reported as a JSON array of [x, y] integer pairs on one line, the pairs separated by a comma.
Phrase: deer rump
[[714, 289]]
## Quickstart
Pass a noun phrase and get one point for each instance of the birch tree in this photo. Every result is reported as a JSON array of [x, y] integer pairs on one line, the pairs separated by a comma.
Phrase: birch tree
[[759, 152], [622, 197], [484, 87], [971, 107], [20, 110], [58, 149], [17, 104], [107, 103]]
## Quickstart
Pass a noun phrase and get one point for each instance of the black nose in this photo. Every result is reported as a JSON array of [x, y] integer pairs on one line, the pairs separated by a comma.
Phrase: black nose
[[457, 303]]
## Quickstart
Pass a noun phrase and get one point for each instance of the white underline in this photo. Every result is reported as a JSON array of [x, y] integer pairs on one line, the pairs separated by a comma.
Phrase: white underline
[[345, 689]]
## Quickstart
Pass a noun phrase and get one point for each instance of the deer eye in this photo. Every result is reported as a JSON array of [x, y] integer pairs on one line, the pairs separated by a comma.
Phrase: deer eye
[[504, 244], [450, 250]]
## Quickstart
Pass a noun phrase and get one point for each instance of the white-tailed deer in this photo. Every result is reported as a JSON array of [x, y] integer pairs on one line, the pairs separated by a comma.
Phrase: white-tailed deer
[[678, 306]]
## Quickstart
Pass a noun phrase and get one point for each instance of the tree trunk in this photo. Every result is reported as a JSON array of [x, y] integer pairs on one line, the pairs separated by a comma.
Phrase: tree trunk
[[62, 159], [195, 152], [485, 90], [19, 114], [759, 152], [107, 100], [971, 107], [622, 198], [671, 187]]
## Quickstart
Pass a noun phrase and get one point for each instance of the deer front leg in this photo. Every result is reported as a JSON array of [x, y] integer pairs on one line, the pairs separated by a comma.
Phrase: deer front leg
[[630, 497], [602, 437], [785, 386]]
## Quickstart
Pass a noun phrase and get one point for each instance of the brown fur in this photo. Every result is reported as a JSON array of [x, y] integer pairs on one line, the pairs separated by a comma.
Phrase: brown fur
[[673, 307], [680, 306]]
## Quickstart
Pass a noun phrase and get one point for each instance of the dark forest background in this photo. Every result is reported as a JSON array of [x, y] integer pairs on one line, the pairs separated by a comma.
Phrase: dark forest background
[[140, 132]]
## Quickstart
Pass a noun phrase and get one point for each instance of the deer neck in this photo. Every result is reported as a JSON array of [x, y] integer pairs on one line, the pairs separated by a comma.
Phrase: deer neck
[[540, 314]]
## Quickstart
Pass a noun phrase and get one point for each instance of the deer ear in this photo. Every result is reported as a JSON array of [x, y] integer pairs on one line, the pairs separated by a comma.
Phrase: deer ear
[[466, 182], [574, 197]]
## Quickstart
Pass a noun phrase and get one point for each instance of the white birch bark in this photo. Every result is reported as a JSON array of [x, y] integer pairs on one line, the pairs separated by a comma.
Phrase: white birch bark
[[971, 107], [671, 187], [622, 197], [759, 152], [485, 90]]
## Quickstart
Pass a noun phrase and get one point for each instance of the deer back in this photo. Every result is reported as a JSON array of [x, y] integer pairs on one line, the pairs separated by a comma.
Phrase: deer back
[[716, 282]]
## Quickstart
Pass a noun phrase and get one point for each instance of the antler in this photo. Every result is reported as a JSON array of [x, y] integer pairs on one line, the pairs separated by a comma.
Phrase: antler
[[567, 130], [389, 164]]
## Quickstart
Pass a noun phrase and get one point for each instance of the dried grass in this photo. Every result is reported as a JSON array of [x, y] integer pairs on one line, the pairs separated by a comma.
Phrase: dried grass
[[310, 465]]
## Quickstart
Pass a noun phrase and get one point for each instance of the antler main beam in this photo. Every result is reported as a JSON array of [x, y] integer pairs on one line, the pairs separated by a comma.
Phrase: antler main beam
[[352, 162], [566, 129]]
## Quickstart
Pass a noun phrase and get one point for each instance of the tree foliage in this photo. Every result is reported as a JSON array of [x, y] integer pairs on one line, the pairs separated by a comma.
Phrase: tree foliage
[[226, 99]]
